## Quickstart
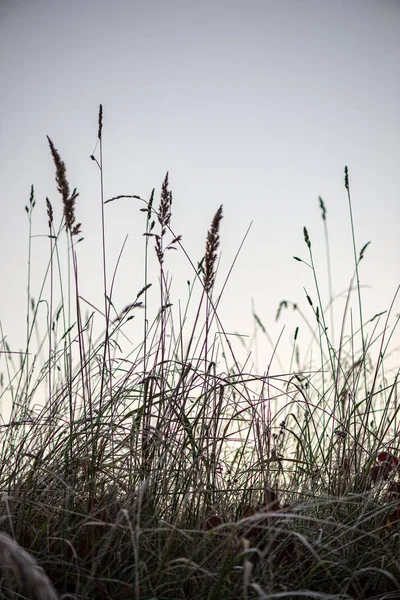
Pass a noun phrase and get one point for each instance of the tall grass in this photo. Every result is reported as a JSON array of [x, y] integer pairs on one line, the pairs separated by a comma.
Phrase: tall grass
[[172, 471]]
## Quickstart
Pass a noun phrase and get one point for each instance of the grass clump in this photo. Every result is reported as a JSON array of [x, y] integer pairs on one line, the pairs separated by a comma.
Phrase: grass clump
[[169, 471]]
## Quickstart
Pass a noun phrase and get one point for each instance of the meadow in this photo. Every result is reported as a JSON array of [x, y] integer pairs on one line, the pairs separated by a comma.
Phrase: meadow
[[170, 471]]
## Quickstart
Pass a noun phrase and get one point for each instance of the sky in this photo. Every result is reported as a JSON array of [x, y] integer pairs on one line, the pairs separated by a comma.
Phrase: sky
[[256, 105]]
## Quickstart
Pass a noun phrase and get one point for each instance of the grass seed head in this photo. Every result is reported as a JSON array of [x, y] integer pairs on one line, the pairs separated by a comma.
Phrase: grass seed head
[[346, 177], [164, 211], [100, 122], [49, 212], [63, 187], [212, 245]]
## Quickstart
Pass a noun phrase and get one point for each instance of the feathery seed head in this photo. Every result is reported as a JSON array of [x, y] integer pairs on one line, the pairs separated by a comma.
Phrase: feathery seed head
[[63, 187], [164, 211], [61, 172], [212, 245], [164, 217]]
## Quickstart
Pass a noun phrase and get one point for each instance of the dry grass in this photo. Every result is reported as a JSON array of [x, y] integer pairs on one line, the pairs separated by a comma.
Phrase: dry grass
[[26, 571], [170, 472]]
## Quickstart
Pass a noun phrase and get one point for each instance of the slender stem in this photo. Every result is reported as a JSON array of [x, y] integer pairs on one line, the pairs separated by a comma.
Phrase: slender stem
[[356, 261]]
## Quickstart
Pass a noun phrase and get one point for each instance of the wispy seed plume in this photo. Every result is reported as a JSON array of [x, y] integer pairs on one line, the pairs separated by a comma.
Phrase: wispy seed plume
[[212, 245], [63, 187], [61, 172]]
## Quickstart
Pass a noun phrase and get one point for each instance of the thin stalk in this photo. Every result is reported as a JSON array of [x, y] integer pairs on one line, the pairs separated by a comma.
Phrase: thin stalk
[[29, 210], [107, 301], [329, 269], [356, 261], [50, 361]]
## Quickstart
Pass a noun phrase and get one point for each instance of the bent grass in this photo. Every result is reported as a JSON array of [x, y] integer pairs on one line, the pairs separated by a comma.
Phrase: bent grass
[[172, 472]]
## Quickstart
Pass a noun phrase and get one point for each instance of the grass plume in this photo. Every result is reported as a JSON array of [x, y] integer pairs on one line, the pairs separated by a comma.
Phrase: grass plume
[[63, 187], [212, 245]]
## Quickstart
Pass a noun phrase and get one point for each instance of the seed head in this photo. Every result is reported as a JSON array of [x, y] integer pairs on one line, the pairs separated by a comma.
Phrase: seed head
[[63, 187], [212, 245]]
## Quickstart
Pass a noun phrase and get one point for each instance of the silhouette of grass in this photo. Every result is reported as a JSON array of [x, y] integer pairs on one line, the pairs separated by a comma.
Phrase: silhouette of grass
[[166, 469]]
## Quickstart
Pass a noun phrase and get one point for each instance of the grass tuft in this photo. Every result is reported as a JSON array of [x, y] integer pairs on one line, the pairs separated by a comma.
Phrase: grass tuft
[[164, 468]]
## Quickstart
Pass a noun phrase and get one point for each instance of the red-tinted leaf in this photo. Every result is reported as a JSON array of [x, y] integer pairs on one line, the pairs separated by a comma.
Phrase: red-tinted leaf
[[213, 521], [346, 465], [388, 458]]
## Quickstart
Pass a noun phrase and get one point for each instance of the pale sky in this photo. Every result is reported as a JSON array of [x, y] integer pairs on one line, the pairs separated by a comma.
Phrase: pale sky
[[256, 105]]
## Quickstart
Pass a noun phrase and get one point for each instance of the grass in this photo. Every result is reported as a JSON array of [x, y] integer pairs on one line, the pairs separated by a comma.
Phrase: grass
[[169, 471]]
